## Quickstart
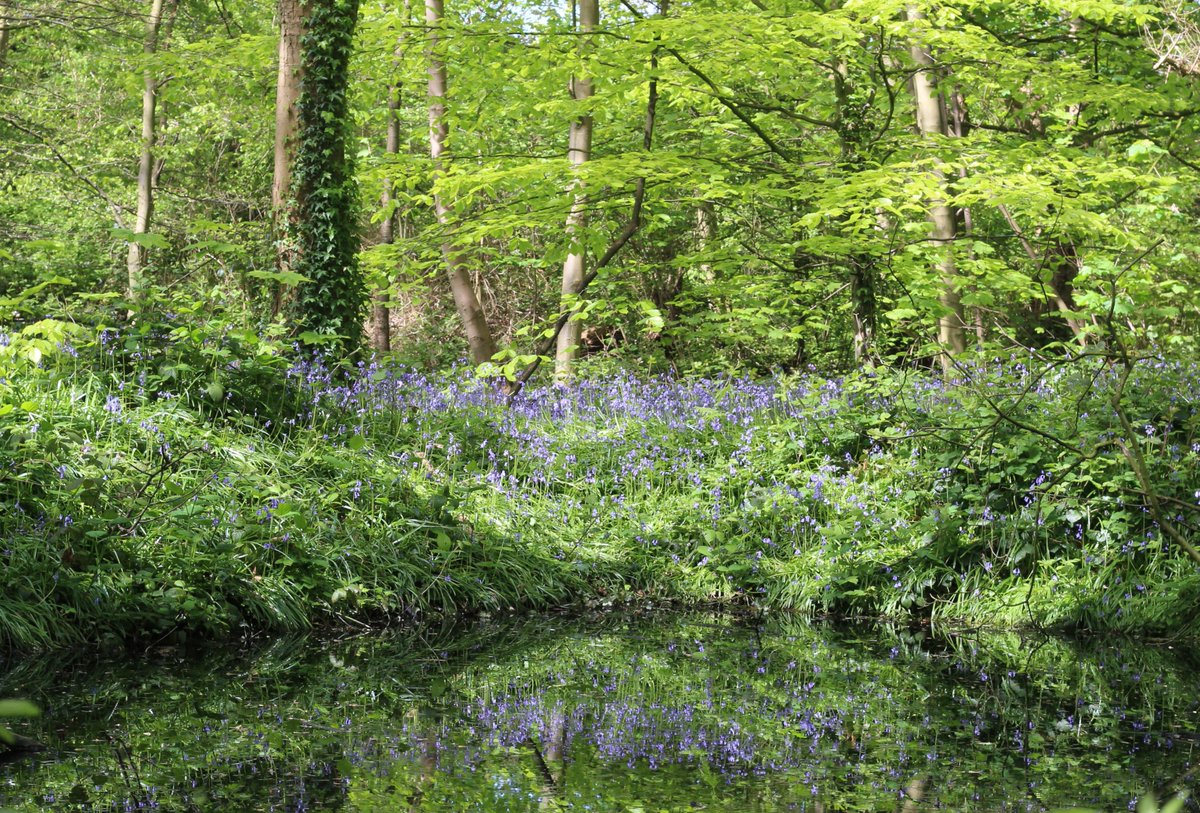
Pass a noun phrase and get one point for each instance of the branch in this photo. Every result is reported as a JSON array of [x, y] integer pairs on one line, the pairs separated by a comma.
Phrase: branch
[[1129, 444], [1012, 221], [113, 205], [631, 227], [728, 103]]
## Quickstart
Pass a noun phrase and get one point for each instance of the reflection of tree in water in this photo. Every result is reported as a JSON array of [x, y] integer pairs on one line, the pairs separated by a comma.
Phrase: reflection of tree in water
[[424, 735], [678, 711], [549, 754]]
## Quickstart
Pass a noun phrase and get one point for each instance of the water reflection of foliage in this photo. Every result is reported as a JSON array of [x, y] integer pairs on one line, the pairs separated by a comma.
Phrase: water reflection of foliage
[[698, 709]]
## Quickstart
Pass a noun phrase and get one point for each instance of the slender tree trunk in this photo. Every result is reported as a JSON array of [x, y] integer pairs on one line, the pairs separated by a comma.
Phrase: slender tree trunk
[[578, 151], [4, 37], [932, 121], [381, 329], [479, 338], [146, 174], [960, 127], [287, 124], [851, 129], [706, 235]]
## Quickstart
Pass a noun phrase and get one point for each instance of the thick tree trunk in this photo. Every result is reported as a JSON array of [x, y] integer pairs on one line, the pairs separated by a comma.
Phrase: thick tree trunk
[[863, 306], [145, 186], [578, 151], [332, 297], [932, 121], [479, 338], [287, 124], [1062, 286]]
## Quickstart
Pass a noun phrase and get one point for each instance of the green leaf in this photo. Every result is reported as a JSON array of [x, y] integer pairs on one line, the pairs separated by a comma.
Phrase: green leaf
[[143, 239], [285, 277], [309, 337], [1143, 149], [18, 708]]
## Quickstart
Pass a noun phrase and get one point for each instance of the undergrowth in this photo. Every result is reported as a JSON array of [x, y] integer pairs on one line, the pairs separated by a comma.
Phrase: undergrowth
[[195, 479]]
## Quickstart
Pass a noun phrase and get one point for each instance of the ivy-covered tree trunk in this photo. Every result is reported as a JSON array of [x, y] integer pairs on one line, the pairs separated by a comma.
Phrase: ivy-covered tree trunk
[[146, 169], [332, 298], [932, 121], [479, 337], [579, 149], [287, 122]]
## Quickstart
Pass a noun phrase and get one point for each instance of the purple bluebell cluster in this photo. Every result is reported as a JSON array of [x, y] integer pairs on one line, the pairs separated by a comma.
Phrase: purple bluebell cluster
[[891, 493], [385, 491], [691, 710]]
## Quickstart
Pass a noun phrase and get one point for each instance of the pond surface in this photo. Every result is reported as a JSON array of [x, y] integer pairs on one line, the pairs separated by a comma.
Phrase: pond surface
[[666, 712]]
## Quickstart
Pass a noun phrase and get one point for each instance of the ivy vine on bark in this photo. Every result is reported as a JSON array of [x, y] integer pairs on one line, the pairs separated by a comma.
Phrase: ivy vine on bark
[[332, 300]]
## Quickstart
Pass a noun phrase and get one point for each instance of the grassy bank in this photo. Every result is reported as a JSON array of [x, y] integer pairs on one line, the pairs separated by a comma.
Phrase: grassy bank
[[201, 482]]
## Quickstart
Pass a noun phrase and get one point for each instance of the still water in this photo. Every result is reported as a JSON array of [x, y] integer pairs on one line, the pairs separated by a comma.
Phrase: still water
[[636, 714]]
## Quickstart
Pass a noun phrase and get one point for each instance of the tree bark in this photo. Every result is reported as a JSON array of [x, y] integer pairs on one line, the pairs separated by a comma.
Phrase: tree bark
[[287, 124], [381, 328], [1063, 261], [4, 38], [479, 337], [706, 235], [331, 298], [579, 150], [146, 172], [851, 131], [932, 121], [614, 248]]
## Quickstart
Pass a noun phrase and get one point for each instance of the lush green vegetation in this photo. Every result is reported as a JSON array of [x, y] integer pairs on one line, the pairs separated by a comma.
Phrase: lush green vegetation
[[613, 713], [201, 482], [888, 308]]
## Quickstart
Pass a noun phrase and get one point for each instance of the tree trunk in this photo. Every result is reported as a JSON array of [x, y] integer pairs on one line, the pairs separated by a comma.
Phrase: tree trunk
[[146, 173], [932, 121], [479, 338], [578, 151], [706, 235], [4, 36], [381, 328], [287, 123], [851, 130], [331, 298]]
